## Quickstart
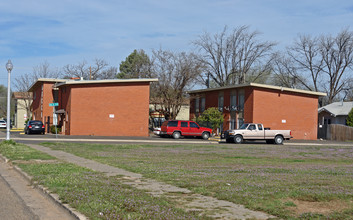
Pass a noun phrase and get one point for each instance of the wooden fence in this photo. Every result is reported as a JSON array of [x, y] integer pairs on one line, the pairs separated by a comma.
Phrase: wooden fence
[[340, 132]]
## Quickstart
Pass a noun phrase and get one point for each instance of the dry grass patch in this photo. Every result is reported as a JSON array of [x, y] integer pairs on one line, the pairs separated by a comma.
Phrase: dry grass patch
[[324, 208]]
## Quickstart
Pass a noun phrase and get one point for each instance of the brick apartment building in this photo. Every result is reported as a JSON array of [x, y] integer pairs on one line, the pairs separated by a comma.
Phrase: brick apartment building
[[94, 107], [275, 107]]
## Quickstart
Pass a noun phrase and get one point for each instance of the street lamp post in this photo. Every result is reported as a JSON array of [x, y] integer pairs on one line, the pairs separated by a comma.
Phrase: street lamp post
[[9, 67]]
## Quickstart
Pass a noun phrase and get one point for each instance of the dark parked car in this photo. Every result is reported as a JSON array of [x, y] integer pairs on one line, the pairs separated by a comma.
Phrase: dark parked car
[[34, 127]]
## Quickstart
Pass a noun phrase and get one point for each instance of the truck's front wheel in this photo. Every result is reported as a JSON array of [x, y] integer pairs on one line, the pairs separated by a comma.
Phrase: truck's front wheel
[[238, 139], [278, 139]]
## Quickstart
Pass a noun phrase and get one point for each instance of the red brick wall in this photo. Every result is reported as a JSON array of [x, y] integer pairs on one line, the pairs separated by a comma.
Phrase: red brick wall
[[270, 107], [40, 106], [65, 103], [298, 110], [91, 105], [249, 106], [35, 107]]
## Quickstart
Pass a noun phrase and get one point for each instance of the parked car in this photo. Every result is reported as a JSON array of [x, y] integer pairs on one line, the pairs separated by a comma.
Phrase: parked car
[[157, 131], [34, 127], [178, 128], [252, 131], [2, 124]]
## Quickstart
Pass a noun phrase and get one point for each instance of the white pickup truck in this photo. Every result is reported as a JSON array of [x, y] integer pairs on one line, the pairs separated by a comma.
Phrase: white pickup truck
[[252, 131]]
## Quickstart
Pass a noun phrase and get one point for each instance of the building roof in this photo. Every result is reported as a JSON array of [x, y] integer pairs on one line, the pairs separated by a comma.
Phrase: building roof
[[260, 86], [61, 82], [22, 95], [80, 82], [337, 108], [40, 80]]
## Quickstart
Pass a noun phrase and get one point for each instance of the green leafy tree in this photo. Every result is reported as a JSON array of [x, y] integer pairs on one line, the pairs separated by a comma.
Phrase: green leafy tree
[[350, 118], [136, 65], [212, 116]]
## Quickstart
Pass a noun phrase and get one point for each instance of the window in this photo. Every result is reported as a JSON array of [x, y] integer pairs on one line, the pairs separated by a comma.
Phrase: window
[[241, 99], [220, 102], [241, 124], [252, 127], [173, 123], [197, 105], [157, 122], [203, 104], [232, 122], [193, 125], [184, 124], [233, 101], [259, 126]]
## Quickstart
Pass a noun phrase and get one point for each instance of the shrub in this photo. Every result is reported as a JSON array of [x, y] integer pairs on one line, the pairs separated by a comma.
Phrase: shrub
[[52, 129], [350, 118], [212, 116]]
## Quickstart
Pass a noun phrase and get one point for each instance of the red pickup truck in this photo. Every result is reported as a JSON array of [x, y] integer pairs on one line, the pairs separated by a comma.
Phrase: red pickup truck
[[178, 128]]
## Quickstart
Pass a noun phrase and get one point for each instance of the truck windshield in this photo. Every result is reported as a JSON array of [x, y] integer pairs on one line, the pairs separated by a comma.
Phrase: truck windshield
[[244, 126]]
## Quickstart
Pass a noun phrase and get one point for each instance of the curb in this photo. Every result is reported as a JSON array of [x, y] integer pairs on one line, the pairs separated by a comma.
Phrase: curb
[[16, 130], [218, 139], [44, 191]]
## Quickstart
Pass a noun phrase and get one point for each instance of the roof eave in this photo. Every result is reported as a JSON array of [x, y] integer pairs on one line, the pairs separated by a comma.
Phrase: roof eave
[[78, 82], [260, 86], [31, 88]]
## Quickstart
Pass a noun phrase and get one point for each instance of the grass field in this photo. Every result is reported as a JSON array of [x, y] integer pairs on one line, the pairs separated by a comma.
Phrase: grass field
[[290, 182], [305, 182], [91, 193]]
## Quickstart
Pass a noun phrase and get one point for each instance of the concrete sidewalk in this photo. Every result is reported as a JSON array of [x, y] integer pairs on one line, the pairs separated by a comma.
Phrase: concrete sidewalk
[[188, 201]]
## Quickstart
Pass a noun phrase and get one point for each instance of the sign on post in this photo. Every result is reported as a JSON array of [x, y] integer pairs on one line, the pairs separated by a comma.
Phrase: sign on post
[[55, 117]]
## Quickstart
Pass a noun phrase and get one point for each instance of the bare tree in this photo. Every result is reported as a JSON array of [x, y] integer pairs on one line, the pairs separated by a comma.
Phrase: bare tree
[[306, 57], [99, 70], [25, 81], [177, 72], [229, 58], [22, 85], [286, 74], [44, 70], [326, 62], [109, 73], [337, 55]]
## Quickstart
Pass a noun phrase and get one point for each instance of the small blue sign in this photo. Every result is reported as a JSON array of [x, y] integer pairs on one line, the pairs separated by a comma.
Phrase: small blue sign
[[54, 104]]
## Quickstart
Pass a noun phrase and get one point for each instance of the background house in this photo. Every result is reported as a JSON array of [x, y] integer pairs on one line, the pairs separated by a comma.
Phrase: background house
[[332, 115], [157, 118], [23, 101], [94, 107], [275, 107], [335, 113]]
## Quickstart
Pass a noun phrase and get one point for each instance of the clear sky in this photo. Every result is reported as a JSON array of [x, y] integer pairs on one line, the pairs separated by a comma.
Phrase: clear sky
[[67, 32]]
